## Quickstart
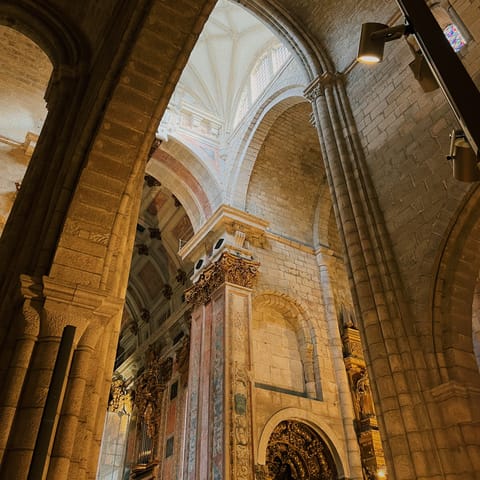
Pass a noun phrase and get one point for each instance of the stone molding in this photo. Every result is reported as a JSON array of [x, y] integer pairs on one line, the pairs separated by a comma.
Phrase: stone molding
[[58, 304], [229, 268]]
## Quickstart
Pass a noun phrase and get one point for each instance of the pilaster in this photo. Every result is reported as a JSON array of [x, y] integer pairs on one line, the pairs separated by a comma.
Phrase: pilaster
[[219, 433], [219, 441]]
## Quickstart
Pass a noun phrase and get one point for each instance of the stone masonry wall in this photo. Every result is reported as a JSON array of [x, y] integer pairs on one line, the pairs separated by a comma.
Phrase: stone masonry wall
[[285, 181], [405, 133]]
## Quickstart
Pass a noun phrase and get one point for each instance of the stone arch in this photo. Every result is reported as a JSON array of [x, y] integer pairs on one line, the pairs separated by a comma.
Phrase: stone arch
[[260, 126], [306, 49], [69, 54], [315, 422], [284, 183], [58, 38], [296, 315], [456, 276], [183, 184], [194, 159]]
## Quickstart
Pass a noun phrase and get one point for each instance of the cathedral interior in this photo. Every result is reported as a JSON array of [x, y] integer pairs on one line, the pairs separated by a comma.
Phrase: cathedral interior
[[233, 249]]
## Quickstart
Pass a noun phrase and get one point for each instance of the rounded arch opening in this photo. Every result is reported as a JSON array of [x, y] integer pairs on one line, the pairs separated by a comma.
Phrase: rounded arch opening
[[455, 296], [316, 427], [283, 345], [296, 451], [25, 72]]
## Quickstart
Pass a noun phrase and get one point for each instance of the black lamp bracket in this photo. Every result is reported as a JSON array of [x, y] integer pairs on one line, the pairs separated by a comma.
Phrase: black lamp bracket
[[392, 33]]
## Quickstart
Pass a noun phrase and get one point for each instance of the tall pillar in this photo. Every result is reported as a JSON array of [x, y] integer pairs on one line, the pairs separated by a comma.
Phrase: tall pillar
[[405, 377], [327, 265], [219, 432], [41, 406]]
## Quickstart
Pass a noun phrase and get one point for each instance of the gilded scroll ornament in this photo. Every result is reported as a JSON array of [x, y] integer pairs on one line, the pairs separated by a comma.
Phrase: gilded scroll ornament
[[228, 268], [296, 451], [149, 388]]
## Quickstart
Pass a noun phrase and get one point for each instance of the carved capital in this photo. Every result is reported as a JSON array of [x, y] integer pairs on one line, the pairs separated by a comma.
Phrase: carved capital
[[30, 321], [229, 268], [317, 88]]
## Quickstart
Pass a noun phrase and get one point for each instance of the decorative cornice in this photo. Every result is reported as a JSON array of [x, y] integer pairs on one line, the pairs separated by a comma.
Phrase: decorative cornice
[[225, 219], [229, 268]]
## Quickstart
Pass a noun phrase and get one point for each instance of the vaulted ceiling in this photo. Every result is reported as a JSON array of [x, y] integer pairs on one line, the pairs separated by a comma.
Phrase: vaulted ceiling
[[220, 64]]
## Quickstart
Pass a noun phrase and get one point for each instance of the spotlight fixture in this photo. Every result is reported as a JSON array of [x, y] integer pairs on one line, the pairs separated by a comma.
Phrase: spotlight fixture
[[464, 161], [446, 69], [373, 39]]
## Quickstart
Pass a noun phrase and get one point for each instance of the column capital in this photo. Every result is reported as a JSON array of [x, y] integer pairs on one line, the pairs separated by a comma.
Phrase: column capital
[[317, 87], [229, 268], [59, 304]]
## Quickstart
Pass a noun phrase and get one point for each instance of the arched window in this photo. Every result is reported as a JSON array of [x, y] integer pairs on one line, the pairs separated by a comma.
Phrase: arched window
[[449, 23], [261, 75], [279, 57]]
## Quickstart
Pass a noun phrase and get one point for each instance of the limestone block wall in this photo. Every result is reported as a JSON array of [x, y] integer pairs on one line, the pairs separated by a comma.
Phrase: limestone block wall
[[294, 348], [405, 133], [277, 360], [284, 185]]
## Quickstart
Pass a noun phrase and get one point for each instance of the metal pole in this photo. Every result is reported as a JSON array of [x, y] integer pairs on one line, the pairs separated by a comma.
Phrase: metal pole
[[453, 78]]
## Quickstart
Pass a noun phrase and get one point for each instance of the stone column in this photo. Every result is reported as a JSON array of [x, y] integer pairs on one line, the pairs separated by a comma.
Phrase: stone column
[[67, 428], [219, 431], [396, 363], [28, 331], [326, 263], [49, 394]]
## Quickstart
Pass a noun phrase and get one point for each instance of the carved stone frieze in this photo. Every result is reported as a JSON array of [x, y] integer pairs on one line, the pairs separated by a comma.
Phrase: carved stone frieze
[[228, 268], [241, 423]]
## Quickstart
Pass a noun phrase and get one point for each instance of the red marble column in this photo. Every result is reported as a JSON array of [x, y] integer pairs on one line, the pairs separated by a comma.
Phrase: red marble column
[[219, 430]]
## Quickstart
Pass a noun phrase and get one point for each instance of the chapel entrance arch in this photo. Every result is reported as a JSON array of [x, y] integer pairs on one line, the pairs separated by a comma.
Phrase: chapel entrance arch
[[296, 451]]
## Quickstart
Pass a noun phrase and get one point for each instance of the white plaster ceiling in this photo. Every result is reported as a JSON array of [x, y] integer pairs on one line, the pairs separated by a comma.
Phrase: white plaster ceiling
[[230, 44]]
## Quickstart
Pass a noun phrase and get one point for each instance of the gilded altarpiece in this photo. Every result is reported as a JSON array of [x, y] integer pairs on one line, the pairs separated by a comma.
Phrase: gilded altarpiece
[[366, 425], [220, 440]]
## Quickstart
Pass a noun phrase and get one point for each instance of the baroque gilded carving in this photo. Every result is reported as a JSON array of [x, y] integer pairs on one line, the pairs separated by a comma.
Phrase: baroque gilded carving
[[149, 388], [120, 399], [182, 359], [364, 396], [295, 451], [228, 268]]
